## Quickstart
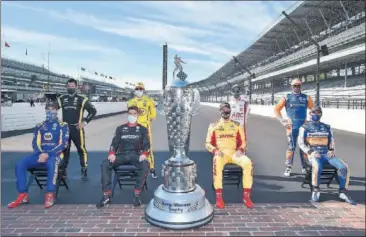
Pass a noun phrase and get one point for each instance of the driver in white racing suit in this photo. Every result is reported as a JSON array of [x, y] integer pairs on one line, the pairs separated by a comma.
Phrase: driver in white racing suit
[[239, 108]]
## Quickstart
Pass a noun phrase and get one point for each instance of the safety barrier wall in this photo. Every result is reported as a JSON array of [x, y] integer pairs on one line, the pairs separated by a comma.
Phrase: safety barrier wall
[[342, 119], [22, 117]]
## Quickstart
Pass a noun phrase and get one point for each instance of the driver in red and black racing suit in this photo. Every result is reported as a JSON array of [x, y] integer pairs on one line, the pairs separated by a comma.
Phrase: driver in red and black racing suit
[[130, 146]]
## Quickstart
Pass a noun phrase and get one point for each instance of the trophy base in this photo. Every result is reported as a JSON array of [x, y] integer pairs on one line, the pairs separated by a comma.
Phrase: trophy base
[[187, 211]]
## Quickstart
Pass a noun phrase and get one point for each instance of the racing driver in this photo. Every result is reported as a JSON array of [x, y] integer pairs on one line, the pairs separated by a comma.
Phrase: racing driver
[[239, 108], [73, 106], [226, 141], [147, 112], [50, 139], [296, 104], [316, 140], [130, 145]]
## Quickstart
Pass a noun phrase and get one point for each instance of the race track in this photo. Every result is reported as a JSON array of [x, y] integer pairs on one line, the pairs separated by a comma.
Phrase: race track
[[267, 146]]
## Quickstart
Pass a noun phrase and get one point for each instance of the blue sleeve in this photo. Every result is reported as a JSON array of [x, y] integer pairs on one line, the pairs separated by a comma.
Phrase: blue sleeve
[[64, 140], [36, 143]]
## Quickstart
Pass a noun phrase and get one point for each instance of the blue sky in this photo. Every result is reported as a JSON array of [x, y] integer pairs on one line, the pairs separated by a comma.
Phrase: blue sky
[[124, 39]]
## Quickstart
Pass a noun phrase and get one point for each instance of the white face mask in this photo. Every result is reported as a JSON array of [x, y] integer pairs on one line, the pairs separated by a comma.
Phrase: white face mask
[[132, 119], [139, 93]]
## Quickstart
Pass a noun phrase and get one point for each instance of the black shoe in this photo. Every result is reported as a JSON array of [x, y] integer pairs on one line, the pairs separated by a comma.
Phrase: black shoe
[[106, 200], [136, 200], [84, 173], [153, 174]]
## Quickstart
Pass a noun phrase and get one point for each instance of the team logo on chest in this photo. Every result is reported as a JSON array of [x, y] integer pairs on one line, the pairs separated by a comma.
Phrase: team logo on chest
[[48, 136]]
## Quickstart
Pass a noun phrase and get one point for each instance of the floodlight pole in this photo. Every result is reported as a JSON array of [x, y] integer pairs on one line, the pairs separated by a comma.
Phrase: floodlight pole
[[252, 76], [228, 85], [317, 93]]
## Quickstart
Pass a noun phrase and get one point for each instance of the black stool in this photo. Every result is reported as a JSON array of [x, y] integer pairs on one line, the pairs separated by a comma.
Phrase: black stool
[[326, 177], [125, 175], [231, 175], [40, 176]]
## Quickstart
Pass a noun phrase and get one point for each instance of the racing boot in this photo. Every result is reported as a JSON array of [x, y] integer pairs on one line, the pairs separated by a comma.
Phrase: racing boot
[[346, 198], [136, 198], [246, 198], [84, 173], [49, 200], [287, 171], [21, 199], [106, 199], [153, 173], [315, 195], [219, 201]]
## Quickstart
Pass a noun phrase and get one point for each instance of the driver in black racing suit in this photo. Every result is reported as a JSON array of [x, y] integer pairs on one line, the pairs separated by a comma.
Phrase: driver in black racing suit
[[130, 146], [73, 106]]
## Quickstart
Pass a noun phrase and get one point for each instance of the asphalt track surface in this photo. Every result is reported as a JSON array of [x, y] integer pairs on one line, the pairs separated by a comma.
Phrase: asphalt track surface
[[267, 146]]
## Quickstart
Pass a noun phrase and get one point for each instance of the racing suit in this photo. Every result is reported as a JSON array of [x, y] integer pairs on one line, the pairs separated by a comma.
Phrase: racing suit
[[296, 108], [50, 137], [73, 113], [147, 112], [318, 137], [228, 137], [239, 112], [129, 142]]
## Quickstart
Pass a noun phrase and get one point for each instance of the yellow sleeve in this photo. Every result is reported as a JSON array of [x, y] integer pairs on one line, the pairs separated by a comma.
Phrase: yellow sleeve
[[279, 106], [310, 102], [211, 139], [241, 138], [152, 109], [59, 102], [129, 103]]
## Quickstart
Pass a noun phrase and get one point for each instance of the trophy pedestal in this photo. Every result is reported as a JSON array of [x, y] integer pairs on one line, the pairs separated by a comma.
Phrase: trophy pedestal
[[178, 211]]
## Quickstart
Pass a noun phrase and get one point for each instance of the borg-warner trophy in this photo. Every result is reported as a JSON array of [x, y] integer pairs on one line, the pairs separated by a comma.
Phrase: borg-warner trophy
[[179, 203]]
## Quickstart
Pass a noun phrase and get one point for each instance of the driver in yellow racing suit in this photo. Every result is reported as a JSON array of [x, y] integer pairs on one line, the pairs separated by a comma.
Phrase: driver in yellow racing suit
[[226, 140], [147, 112]]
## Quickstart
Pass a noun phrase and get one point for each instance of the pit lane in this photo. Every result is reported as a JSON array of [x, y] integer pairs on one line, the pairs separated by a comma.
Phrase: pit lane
[[267, 145]]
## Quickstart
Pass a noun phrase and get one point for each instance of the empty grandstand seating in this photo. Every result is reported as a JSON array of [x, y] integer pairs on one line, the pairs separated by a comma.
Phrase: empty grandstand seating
[[27, 79]]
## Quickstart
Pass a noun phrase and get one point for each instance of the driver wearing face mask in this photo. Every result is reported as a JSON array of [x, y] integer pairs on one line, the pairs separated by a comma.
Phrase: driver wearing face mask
[[147, 112], [130, 145], [73, 106], [239, 108], [316, 140], [296, 104], [49, 140], [226, 141]]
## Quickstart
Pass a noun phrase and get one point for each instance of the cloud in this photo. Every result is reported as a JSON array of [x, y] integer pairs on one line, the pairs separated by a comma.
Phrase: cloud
[[179, 38], [212, 30], [15, 35]]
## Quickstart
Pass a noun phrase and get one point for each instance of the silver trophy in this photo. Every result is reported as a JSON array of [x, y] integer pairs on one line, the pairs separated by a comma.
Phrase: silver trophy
[[179, 203]]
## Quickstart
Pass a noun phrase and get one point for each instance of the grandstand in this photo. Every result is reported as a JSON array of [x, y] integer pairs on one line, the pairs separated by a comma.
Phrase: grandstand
[[22, 81], [282, 53]]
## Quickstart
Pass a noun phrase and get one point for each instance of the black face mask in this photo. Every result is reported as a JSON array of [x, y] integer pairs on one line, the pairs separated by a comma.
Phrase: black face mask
[[225, 115], [71, 90]]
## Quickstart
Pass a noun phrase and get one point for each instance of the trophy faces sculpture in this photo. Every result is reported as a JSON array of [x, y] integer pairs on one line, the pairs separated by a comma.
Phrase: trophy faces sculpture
[[179, 203]]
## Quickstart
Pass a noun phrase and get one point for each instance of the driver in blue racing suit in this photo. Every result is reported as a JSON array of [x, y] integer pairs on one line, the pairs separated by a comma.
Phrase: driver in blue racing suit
[[50, 139], [317, 141]]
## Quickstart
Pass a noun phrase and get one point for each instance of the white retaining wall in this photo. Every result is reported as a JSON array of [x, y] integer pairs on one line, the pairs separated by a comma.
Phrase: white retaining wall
[[22, 116], [342, 119]]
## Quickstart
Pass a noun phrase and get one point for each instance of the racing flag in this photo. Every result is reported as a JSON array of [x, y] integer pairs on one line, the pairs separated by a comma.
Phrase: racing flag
[[7, 45]]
